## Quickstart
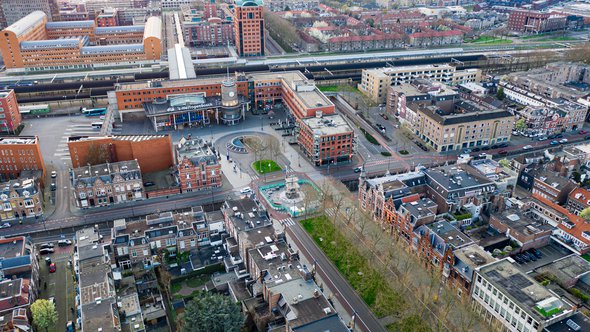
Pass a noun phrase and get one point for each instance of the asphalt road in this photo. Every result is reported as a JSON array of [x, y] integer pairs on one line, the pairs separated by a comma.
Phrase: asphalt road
[[124, 210], [346, 295]]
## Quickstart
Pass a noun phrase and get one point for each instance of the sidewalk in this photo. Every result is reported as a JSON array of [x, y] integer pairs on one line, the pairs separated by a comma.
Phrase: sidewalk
[[239, 178]]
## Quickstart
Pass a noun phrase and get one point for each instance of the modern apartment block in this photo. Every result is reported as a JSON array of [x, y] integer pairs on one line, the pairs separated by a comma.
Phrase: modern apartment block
[[249, 27], [10, 117], [21, 198], [461, 124], [376, 82], [152, 152], [512, 300], [18, 154], [197, 165], [211, 26], [107, 184], [34, 43]]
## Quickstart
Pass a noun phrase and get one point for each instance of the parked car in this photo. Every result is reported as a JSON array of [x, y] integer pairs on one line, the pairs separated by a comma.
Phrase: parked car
[[563, 141], [515, 133], [466, 151], [48, 260], [46, 245], [53, 187], [527, 147], [502, 152], [537, 253], [246, 190], [483, 155], [582, 132], [558, 135], [542, 138], [554, 143], [358, 169], [64, 243], [475, 150], [503, 145], [52, 268], [70, 327], [148, 184], [525, 258], [5, 225], [485, 148], [46, 251], [53, 174], [587, 137]]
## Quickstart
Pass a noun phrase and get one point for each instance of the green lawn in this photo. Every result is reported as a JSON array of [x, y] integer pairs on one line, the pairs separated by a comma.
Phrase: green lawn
[[338, 88], [369, 283], [489, 40], [265, 166], [370, 137], [586, 257]]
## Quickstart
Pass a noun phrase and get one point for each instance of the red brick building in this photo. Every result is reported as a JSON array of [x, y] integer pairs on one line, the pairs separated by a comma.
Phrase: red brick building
[[9, 114], [249, 27], [535, 22], [197, 165], [152, 152], [19, 154]]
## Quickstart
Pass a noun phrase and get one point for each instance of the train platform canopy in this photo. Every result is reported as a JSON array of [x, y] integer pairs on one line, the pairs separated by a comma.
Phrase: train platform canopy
[[179, 61]]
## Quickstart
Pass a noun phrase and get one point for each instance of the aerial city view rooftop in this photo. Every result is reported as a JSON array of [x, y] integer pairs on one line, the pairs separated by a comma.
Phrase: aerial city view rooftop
[[294, 165]]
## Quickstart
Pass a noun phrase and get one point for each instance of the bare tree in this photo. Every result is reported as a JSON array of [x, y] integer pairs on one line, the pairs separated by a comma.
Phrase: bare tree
[[97, 154]]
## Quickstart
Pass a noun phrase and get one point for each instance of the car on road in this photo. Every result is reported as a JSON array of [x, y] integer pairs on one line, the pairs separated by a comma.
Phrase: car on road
[[64, 243], [587, 137], [53, 187], [46, 245], [5, 225], [53, 174], [358, 169], [52, 268], [503, 152], [46, 251], [582, 132], [246, 190], [48, 260], [383, 115], [527, 147], [563, 141], [542, 138], [102, 117], [554, 143]]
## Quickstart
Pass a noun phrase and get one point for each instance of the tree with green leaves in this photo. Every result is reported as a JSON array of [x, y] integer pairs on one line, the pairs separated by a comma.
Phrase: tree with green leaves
[[209, 312], [585, 213], [520, 125], [44, 314], [500, 94]]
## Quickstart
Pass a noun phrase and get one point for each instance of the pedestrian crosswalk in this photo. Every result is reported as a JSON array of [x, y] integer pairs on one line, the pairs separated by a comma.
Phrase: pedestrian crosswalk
[[254, 177], [78, 129], [287, 222], [330, 212]]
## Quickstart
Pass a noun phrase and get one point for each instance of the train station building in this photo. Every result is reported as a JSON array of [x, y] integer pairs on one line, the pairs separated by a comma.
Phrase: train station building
[[324, 137]]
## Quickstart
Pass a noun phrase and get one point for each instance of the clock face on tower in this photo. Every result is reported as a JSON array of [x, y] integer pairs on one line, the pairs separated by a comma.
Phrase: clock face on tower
[[231, 93]]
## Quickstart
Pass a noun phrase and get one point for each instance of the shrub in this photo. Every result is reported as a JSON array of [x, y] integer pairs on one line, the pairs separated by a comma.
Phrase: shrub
[[404, 152], [386, 153], [370, 137]]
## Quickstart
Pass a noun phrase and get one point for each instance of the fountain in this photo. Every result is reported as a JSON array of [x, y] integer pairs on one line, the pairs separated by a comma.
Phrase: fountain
[[293, 195]]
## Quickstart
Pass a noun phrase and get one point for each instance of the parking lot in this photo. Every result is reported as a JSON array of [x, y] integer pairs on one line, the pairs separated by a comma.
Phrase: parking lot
[[60, 285], [550, 253]]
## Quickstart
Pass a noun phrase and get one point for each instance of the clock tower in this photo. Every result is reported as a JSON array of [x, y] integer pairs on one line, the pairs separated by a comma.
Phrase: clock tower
[[230, 103]]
